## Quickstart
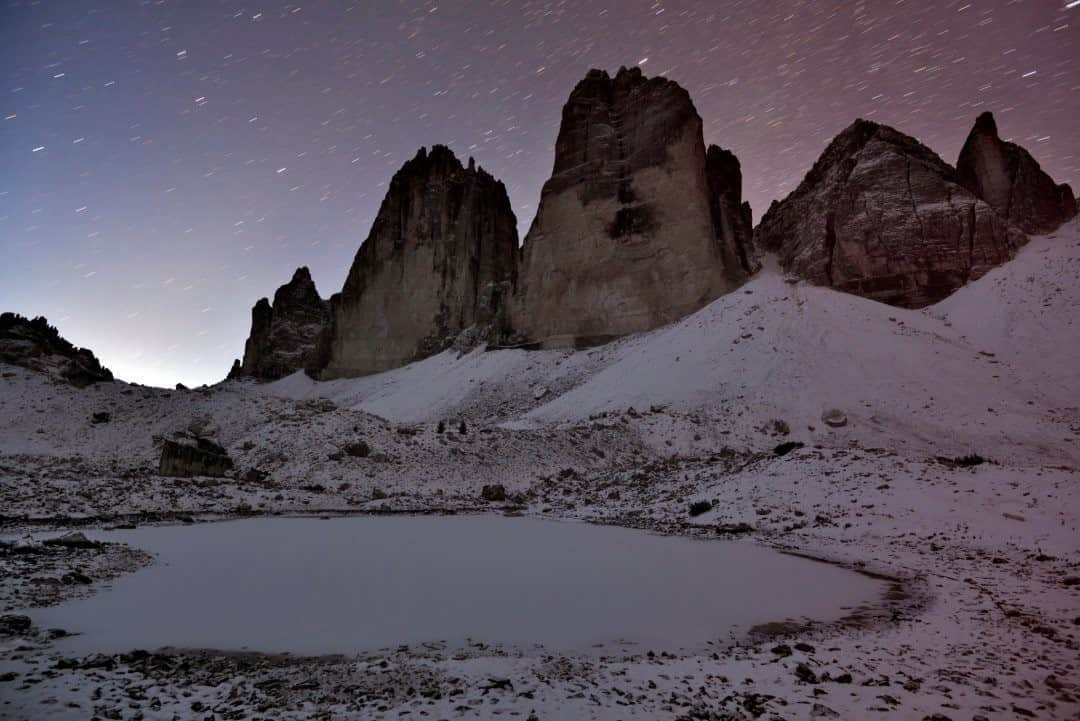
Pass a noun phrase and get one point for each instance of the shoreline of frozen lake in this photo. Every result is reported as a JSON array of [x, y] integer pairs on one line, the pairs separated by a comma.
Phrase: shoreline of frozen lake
[[348, 585]]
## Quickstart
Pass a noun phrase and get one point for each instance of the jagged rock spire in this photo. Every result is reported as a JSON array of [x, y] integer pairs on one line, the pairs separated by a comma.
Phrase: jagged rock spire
[[1007, 177]]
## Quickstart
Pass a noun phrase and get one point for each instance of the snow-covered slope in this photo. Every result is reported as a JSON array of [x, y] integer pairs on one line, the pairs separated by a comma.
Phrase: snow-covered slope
[[988, 369], [1026, 313]]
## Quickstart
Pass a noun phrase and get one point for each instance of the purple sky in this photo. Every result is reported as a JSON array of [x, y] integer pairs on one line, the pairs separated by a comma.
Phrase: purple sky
[[165, 164]]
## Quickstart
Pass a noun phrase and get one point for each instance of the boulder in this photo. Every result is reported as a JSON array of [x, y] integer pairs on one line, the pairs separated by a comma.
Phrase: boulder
[[882, 216], [285, 335], [1011, 181], [637, 225], [188, 457], [36, 345], [494, 493], [440, 258]]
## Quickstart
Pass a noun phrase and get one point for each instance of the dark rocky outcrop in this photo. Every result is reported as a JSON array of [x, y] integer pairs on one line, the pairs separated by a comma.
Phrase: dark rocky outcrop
[[36, 345], [882, 216], [1011, 181], [193, 456], [636, 227], [285, 335], [440, 258]]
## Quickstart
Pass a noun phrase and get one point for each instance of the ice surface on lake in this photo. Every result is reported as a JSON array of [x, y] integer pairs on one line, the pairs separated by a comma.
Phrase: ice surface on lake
[[345, 585]]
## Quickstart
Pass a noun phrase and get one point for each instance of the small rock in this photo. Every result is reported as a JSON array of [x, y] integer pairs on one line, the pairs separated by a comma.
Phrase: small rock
[[785, 448], [254, 475], [360, 449], [71, 540], [74, 577], [699, 507], [834, 418], [805, 674]]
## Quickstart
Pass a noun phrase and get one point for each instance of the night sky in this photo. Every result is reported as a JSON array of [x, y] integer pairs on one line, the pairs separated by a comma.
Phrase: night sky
[[165, 164]]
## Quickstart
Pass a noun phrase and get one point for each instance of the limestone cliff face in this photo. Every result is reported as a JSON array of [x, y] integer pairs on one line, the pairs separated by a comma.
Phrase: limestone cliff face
[[284, 336], [633, 231], [733, 221], [440, 255], [1011, 181], [882, 216]]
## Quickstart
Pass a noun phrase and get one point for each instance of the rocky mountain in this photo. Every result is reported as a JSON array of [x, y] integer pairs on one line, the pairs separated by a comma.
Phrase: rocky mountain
[[633, 229], [36, 345], [441, 256], [1011, 181], [285, 335], [882, 216]]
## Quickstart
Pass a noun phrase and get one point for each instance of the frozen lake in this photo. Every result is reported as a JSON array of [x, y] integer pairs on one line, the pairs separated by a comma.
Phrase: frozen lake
[[346, 585]]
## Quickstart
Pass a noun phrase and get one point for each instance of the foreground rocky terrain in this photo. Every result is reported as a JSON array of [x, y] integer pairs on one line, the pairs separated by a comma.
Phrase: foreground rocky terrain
[[936, 448]]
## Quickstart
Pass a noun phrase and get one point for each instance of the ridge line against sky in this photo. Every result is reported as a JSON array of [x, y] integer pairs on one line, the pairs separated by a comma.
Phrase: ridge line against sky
[[167, 164]]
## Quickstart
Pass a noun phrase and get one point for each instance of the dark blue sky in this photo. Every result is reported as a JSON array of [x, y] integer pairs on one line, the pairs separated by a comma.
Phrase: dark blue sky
[[165, 164]]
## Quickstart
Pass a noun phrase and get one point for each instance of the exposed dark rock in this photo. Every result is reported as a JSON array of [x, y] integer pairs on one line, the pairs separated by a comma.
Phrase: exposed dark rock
[[13, 625], [75, 539], [36, 345], [699, 507], [805, 673], [785, 448], [1011, 181], [359, 449], [285, 335], [493, 493], [101, 417], [194, 457], [882, 216], [440, 259], [254, 475], [75, 578], [637, 226]]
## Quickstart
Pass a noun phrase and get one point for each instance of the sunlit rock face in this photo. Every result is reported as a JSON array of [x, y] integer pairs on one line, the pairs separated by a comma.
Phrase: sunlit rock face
[[632, 232], [440, 259], [882, 216], [285, 335], [1011, 181]]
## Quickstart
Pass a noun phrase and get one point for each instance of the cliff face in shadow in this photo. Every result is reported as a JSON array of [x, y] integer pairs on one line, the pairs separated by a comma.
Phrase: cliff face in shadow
[[440, 255]]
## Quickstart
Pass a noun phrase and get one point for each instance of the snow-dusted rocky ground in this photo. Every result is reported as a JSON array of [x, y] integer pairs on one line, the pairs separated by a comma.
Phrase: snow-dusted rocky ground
[[983, 619]]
